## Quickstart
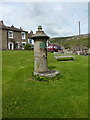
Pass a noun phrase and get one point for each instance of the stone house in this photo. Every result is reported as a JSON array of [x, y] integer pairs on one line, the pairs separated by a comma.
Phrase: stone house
[[31, 41], [12, 38]]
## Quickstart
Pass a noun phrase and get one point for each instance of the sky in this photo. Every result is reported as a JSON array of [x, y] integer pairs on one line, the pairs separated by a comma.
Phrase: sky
[[58, 19]]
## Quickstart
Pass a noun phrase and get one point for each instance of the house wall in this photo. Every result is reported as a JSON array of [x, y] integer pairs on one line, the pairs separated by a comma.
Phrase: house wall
[[0, 39], [4, 39], [16, 38]]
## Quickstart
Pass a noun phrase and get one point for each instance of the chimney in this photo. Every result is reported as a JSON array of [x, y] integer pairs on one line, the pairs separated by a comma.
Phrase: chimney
[[20, 28], [1, 22], [12, 26], [31, 32]]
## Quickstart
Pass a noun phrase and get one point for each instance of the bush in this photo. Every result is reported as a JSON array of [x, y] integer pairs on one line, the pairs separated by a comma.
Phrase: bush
[[87, 54], [27, 47], [67, 46], [65, 58]]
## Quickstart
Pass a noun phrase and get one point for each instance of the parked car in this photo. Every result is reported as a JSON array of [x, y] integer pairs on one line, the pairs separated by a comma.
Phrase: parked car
[[53, 48]]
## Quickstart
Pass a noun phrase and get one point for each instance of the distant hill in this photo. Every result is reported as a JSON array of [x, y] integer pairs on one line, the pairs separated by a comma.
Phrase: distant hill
[[57, 39], [72, 42]]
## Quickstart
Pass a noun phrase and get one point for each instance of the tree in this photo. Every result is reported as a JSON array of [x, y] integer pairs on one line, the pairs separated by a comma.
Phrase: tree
[[67, 46]]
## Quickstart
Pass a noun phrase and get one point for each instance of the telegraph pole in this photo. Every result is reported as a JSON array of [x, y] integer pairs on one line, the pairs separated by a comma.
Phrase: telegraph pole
[[79, 28], [79, 35]]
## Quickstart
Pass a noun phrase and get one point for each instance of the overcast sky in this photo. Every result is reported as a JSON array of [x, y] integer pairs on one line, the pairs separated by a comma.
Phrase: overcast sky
[[58, 19]]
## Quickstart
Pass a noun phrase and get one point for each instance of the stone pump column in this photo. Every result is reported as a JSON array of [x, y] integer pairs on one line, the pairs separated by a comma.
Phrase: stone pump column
[[40, 51], [40, 54]]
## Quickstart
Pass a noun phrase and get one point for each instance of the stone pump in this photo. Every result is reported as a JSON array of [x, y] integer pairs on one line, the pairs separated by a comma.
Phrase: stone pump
[[40, 54]]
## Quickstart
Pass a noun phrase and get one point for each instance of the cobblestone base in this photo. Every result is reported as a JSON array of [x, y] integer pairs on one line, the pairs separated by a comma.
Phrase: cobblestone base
[[48, 73]]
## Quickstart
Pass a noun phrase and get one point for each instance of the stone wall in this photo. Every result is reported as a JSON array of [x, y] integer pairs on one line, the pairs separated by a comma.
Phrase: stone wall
[[4, 39], [16, 38], [0, 39]]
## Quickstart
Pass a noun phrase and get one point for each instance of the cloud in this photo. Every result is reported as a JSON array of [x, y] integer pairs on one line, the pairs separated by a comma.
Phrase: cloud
[[44, 1], [57, 18]]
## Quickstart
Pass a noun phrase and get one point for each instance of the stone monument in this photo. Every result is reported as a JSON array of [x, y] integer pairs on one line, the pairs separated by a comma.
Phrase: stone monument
[[40, 54]]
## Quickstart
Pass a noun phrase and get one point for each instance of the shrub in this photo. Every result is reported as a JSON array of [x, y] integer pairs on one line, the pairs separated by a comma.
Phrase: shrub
[[67, 46], [27, 47], [65, 58], [87, 54]]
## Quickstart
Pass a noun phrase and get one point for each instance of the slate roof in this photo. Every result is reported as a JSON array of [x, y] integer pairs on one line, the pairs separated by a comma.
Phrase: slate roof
[[12, 28], [30, 34]]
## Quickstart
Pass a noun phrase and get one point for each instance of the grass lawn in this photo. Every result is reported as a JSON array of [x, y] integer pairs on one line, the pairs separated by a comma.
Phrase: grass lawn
[[63, 96]]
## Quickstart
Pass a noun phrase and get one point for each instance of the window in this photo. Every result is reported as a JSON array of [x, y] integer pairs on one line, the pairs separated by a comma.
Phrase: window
[[10, 34], [55, 47], [23, 44], [29, 41], [16, 45], [23, 35]]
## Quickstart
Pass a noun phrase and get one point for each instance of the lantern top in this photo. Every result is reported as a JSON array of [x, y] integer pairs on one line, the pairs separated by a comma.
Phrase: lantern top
[[40, 33], [39, 28]]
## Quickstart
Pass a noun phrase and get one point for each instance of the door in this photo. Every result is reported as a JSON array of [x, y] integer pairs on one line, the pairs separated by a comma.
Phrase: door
[[10, 46]]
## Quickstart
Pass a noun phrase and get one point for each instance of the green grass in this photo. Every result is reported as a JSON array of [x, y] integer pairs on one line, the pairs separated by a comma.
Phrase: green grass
[[63, 96], [0, 84]]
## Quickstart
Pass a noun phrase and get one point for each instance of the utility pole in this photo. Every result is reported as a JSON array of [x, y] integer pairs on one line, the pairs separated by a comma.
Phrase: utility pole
[[79, 28], [79, 36]]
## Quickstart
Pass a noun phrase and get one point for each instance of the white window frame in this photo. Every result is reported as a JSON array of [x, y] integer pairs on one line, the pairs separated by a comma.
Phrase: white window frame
[[24, 35], [9, 34], [32, 41], [24, 43]]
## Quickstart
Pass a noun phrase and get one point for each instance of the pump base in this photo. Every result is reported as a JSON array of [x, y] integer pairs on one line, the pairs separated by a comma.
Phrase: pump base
[[48, 73]]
